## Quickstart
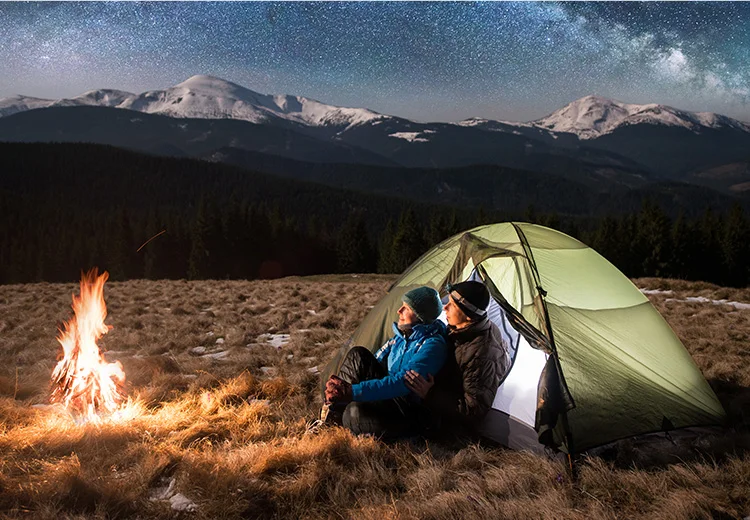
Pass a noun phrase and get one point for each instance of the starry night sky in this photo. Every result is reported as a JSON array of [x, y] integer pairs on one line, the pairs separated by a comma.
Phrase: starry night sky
[[425, 61]]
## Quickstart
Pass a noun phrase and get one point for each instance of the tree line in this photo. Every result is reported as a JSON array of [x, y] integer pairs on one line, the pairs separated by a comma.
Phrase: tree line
[[714, 247], [66, 208], [247, 241]]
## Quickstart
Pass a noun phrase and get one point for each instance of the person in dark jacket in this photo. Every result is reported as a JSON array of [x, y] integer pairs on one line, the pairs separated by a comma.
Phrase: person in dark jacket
[[369, 393], [463, 391]]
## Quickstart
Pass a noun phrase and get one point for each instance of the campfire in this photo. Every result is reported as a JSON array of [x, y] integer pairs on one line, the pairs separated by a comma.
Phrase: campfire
[[89, 387]]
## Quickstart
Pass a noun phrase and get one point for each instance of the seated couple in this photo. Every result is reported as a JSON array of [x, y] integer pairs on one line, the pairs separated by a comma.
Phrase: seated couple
[[426, 377]]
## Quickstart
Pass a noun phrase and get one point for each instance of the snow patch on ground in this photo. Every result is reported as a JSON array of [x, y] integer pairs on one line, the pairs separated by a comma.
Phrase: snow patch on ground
[[163, 492], [203, 352], [177, 501], [697, 299], [275, 340], [180, 502], [216, 355], [702, 299]]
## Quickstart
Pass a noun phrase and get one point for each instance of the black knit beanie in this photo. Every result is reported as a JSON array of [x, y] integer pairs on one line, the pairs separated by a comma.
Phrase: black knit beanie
[[471, 297]]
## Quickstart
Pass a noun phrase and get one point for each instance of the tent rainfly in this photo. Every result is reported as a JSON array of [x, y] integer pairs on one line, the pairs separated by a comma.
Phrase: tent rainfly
[[592, 360]]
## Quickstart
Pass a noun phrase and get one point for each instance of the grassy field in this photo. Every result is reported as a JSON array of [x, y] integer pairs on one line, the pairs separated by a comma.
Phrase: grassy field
[[216, 423]]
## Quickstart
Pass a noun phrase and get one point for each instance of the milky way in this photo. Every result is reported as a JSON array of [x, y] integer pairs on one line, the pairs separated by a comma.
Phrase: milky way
[[427, 61]]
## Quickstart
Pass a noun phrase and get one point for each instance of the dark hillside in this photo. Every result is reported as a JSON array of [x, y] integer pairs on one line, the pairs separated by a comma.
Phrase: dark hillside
[[67, 207], [173, 137], [675, 152], [579, 192]]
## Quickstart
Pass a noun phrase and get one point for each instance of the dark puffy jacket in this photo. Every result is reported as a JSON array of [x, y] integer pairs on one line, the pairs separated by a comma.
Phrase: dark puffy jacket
[[465, 389]]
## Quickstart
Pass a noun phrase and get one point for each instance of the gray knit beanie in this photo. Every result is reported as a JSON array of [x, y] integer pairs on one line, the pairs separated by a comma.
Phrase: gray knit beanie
[[425, 302]]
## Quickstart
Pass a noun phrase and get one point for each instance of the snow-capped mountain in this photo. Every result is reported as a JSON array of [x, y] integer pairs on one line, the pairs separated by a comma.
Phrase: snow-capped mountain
[[14, 104], [101, 98], [208, 97], [529, 130], [592, 132], [493, 125], [593, 116]]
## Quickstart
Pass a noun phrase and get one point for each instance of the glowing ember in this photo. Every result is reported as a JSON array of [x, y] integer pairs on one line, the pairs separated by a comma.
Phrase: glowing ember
[[82, 380]]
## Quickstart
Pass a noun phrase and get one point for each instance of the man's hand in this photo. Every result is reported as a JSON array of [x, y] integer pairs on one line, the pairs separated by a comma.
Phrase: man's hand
[[418, 384], [338, 390]]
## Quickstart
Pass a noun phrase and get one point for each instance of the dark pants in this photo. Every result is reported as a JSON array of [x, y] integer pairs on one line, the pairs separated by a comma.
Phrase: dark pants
[[390, 418]]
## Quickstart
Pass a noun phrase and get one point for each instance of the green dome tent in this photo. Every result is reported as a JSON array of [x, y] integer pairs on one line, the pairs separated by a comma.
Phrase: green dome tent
[[593, 360]]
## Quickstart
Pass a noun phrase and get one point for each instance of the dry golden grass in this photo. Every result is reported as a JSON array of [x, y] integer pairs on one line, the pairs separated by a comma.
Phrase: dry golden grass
[[229, 434]]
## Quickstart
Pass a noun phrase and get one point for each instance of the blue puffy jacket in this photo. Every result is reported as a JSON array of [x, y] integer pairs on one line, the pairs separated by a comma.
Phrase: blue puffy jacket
[[424, 351]]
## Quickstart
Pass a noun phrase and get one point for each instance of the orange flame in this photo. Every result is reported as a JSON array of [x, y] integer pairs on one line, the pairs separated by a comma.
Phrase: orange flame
[[82, 380]]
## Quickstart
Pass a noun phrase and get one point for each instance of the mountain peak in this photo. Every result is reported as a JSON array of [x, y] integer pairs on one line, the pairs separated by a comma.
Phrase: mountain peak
[[589, 117], [593, 116], [19, 103], [102, 97], [219, 88], [206, 81], [204, 96], [595, 99]]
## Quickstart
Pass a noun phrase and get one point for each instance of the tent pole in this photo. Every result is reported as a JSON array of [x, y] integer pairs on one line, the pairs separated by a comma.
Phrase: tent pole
[[542, 296]]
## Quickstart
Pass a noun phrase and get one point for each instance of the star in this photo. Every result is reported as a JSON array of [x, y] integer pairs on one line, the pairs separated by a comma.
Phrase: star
[[423, 60]]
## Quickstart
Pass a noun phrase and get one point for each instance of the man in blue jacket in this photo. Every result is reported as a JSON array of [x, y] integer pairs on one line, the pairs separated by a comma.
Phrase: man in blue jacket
[[369, 394]]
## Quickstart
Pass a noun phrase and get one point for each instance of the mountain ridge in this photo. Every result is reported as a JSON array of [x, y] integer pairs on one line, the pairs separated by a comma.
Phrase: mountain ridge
[[626, 141], [593, 116], [210, 97]]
